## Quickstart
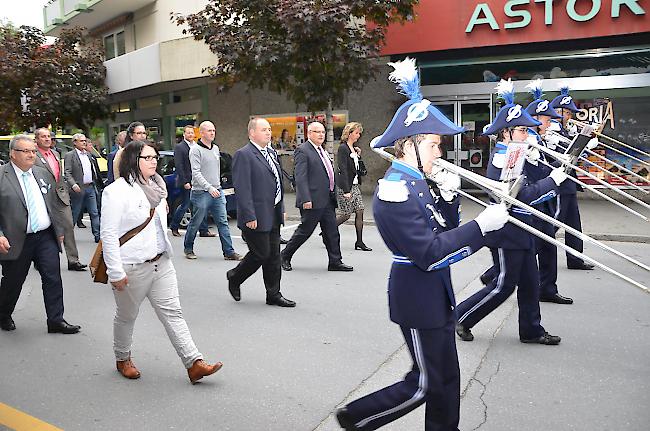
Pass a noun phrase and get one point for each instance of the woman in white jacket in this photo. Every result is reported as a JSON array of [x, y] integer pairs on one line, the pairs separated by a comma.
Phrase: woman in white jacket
[[141, 268]]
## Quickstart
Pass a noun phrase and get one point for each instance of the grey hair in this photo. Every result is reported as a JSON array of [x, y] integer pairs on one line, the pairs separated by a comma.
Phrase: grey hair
[[252, 124], [18, 138], [41, 129], [77, 136], [122, 134]]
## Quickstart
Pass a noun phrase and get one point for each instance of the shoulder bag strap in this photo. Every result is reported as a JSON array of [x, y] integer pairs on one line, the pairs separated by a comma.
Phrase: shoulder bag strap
[[136, 230]]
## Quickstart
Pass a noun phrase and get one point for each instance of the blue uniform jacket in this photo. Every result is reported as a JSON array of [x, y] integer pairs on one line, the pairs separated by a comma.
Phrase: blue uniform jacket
[[540, 172], [532, 193], [567, 187], [423, 233]]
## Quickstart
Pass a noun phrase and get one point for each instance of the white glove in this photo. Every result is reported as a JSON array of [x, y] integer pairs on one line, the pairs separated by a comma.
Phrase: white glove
[[554, 127], [493, 217], [448, 183], [558, 175], [593, 143], [532, 155], [552, 140]]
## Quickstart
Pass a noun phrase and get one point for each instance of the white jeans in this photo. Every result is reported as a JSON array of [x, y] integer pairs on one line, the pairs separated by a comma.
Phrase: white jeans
[[156, 281]]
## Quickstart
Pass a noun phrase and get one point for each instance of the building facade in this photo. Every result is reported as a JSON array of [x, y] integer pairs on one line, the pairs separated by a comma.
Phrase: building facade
[[599, 48]]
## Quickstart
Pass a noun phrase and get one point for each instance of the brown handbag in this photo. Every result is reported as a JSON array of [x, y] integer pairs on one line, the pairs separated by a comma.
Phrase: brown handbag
[[98, 266]]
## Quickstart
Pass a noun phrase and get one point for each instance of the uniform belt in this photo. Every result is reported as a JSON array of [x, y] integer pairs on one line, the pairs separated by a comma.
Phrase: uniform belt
[[153, 259]]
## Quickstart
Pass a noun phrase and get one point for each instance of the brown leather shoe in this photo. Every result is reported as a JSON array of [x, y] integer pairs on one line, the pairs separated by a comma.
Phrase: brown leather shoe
[[200, 369], [127, 369]]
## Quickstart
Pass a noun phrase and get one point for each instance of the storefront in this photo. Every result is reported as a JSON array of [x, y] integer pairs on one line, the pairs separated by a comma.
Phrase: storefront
[[599, 48]]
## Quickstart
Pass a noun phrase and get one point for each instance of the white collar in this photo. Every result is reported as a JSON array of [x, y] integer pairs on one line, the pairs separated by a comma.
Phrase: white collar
[[19, 172]]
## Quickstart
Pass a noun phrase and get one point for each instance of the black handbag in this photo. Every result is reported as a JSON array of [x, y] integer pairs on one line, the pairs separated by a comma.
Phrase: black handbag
[[362, 171]]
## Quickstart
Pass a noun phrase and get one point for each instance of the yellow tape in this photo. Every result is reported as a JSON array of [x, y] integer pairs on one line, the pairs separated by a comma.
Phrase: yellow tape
[[19, 421]]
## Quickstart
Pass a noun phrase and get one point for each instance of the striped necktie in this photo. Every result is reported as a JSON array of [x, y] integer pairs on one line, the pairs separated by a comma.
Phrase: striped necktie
[[267, 156], [31, 203]]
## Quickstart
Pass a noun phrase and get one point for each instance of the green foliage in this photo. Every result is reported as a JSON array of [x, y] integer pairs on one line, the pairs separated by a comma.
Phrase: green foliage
[[63, 81], [312, 51]]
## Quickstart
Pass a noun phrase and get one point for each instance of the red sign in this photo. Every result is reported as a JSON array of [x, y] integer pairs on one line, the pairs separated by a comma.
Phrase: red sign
[[456, 24]]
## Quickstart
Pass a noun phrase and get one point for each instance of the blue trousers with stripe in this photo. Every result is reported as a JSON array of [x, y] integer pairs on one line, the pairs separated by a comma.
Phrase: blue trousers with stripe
[[516, 268], [569, 214], [547, 259], [434, 380]]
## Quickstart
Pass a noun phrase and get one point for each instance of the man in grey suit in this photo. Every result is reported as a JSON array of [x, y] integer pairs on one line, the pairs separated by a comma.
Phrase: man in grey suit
[[80, 177], [48, 158], [30, 231]]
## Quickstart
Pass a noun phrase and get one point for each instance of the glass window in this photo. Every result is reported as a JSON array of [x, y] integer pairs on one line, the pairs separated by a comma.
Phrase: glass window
[[148, 102], [120, 44], [109, 46], [187, 95]]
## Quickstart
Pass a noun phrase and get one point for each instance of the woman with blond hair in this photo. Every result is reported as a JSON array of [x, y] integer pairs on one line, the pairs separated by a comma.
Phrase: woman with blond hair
[[348, 179]]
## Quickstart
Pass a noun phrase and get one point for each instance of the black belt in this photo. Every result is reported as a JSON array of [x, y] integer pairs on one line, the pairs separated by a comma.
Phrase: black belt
[[153, 259]]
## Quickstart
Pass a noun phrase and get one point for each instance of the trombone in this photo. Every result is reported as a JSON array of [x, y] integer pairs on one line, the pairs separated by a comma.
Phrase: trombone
[[502, 193], [616, 141]]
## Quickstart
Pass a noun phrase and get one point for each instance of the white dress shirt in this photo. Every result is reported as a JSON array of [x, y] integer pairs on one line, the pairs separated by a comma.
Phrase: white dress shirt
[[87, 167], [37, 191]]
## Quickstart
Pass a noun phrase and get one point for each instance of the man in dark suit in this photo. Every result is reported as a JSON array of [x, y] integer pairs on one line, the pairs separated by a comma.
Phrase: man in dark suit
[[80, 176], [119, 143], [184, 182], [260, 212], [315, 198], [47, 158], [31, 230]]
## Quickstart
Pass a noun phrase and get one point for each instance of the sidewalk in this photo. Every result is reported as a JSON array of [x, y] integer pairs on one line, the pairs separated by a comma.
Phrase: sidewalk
[[601, 220]]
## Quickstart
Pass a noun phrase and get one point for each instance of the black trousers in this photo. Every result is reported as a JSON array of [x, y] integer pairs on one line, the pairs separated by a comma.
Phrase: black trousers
[[264, 251], [434, 380], [547, 259], [308, 221], [42, 249], [570, 215]]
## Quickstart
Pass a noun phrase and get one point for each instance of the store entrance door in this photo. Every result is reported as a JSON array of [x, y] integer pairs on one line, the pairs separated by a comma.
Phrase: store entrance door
[[469, 150]]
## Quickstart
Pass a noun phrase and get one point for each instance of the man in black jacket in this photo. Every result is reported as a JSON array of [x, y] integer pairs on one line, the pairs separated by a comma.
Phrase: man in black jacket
[[184, 180], [260, 212], [315, 198]]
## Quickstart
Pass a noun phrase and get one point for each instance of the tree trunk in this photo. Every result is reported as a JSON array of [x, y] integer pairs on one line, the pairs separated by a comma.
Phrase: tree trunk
[[329, 127]]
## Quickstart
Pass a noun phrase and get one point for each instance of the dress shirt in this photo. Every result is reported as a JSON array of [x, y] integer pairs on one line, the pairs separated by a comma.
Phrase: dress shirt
[[274, 168], [51, 161], [86, 165], [40, 214], [326, 162]]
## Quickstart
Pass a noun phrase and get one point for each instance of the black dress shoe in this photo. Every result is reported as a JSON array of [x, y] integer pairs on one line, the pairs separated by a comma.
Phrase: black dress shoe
[[557, 298], [546, 339], [81, 224], [285, 264], [77, 266], [361, 246], [339, 267], [7, 323], [485, 278], [62, 327], [207, 234], [582, 265], [233, 288], [465, 334], [280, 301], [175, 232], [345, 420], [284, 241]]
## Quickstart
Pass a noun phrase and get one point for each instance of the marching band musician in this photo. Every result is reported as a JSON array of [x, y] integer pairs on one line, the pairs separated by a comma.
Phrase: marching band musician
[[540, 110], [513, 249], [568, 212], [422, 230]]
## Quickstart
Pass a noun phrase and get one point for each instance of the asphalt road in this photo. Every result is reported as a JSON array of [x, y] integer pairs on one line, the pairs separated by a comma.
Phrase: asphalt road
[[287, 369]]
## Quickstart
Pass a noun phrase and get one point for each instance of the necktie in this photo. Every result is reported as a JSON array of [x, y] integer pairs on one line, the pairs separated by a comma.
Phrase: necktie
[[31, 203], [267, 156], [328, 167]]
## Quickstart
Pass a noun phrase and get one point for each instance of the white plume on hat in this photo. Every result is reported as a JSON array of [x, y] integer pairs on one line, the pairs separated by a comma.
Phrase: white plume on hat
[[406, 77], [506, 90]]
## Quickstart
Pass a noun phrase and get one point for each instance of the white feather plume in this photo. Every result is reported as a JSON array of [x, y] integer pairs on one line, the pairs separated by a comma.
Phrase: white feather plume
[[535, 84], [506, 90], [405, 75]]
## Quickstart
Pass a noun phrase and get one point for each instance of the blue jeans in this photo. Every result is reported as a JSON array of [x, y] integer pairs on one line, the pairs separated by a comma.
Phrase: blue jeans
[[86, 198], [180, 210], [203, 203]]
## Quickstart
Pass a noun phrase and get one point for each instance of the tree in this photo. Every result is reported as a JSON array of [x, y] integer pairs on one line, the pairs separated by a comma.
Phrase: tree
[[63, 82], [314, 51]]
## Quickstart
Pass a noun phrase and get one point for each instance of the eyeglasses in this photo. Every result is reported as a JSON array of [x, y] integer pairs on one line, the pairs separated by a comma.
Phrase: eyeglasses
[[139, 133], [317, 131], [520, 129], [25, 151], [150, 158]]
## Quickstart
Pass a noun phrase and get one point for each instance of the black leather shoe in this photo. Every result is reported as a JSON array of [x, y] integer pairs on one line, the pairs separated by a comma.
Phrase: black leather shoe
[[345, 420], [546, 339], [284, 241], [361, 246], [81, 224], [582, 265], [175, 232], [233, 288], [207, 234], [465, 334], [7, 323], [339, 267], [557, 298], [77, 266], [485, 278], [285, 264], [62, 327], [280, 301]]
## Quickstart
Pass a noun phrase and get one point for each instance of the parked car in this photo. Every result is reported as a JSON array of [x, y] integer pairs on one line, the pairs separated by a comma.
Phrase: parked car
[[167, 169]]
